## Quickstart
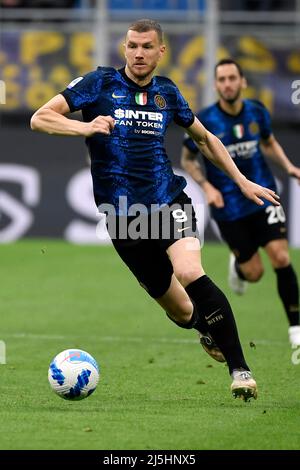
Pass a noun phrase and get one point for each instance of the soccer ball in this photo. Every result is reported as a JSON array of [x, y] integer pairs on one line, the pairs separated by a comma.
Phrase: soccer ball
[[73, 374]]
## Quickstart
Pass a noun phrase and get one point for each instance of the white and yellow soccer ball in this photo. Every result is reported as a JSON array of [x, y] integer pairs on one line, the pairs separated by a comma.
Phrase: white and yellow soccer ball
[[73, 374]]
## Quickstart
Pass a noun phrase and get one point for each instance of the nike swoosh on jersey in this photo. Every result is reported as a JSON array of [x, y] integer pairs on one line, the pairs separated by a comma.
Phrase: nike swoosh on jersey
[[182, 229], [118, 96]]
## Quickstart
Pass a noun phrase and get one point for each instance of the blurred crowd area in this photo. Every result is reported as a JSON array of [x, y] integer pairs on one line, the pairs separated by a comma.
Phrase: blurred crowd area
[[46, 3], [239, 5], [42, 49]]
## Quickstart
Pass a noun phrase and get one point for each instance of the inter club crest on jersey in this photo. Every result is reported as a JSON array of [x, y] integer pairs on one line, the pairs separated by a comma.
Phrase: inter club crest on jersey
[[141, 98], [160, 101], [238, 131], [254, 128]]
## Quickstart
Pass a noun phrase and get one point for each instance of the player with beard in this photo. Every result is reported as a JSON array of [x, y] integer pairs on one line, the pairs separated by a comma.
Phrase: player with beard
[[126, 113]]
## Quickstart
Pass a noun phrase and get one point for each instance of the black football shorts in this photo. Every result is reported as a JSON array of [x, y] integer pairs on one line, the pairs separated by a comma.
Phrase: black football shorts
[[142, 241], [244, 236]]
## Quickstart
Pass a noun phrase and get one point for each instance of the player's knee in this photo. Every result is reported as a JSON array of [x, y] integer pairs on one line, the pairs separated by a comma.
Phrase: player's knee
[[280, 259], [187, 275]]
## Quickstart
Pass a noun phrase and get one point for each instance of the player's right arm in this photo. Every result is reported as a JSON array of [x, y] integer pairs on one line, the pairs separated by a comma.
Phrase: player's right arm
[[50, 118], [191, 165]]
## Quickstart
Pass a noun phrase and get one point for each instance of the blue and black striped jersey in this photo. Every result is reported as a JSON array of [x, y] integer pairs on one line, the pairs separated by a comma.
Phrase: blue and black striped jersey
[[131, 163]]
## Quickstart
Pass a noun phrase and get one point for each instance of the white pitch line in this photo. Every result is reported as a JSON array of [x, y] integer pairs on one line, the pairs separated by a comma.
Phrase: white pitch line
[[34, 336], [128, 339]]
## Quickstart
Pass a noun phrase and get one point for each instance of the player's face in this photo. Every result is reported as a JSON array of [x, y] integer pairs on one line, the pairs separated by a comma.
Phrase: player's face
[[142, 52], [229, 83]]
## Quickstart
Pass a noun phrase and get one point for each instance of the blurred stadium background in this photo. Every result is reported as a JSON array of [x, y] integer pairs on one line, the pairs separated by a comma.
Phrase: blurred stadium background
[[45, 188]]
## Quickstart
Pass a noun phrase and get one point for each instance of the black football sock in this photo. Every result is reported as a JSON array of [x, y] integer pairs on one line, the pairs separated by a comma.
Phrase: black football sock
[[215, 313], [288, 289], [239, 271]]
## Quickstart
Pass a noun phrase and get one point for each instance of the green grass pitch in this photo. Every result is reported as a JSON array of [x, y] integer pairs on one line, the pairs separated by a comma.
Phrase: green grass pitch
[[158, 388]]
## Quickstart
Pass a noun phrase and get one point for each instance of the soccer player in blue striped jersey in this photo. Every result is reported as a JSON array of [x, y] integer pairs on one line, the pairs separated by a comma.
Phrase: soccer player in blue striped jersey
[[125, 116], [244, 127]]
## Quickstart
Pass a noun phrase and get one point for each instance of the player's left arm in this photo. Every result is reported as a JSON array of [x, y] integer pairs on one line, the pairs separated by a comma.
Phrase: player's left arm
[[273, 150], [213, 149]]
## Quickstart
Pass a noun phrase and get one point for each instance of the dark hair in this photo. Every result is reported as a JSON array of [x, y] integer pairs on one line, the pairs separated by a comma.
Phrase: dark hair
[[227, 62], [144, 25]]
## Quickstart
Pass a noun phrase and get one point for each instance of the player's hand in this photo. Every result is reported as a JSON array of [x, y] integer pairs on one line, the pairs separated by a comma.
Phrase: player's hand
[[257, 193], [213, 195], [101, 124], [295, 172]]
